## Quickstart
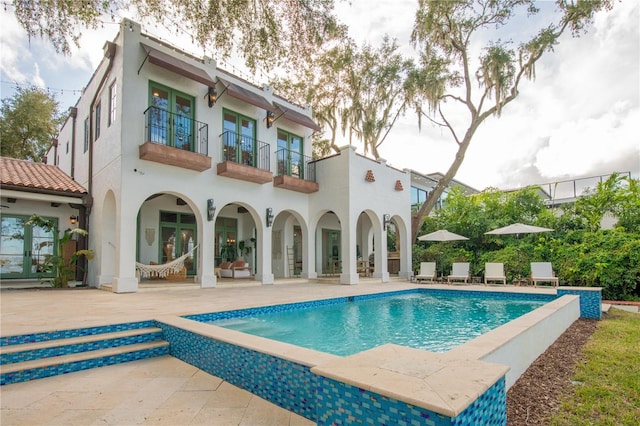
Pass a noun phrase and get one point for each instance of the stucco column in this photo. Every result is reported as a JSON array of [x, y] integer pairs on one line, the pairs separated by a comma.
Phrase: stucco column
[[125, 280], [348, 243], [264, 271], [308, 254], [381, 254], [206, 269]]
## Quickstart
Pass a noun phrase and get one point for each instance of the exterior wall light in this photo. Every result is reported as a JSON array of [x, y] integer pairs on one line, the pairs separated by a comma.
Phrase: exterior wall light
[[386, 220], [270, 119], [269, 216], [212, 96], [73, 219], [211, 209]]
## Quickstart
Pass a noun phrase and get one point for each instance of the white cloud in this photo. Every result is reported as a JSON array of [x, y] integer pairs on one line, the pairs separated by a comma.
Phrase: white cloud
[[580, 116], [12, 40]]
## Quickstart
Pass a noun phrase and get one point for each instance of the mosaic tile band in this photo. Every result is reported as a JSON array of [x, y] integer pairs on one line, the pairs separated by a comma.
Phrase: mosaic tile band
[[590, 300]]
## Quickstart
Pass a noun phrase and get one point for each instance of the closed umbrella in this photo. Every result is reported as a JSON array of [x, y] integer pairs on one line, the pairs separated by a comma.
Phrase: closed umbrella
[[517, 229], [441, 235]]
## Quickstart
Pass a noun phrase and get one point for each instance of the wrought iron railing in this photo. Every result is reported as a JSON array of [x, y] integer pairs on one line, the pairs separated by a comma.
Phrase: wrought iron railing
[[245, 150], [176, 130], [292, 163]]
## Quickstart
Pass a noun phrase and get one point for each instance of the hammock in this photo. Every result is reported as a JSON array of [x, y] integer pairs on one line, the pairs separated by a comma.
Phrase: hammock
[[161, 271]]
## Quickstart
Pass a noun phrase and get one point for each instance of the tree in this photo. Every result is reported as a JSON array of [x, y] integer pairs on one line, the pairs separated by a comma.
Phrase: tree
[[354, 91], [445, 31], [618, 196], [377, 93], [29, 121], [323, 86], [261, 31]]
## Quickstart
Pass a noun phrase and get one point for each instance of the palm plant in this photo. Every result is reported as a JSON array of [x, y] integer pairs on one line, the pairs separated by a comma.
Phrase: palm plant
[[56, 263]]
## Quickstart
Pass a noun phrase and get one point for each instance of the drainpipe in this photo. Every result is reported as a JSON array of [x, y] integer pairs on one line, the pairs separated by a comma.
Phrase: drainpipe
[[110, 53], [73, 112]]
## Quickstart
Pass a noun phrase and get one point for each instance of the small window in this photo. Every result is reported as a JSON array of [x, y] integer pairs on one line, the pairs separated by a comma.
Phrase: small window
[[98, 108], [86, 134], [112, 103]]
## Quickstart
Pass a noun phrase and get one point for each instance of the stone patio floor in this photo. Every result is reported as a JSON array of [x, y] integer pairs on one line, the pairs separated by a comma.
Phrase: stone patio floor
[[156, 391]]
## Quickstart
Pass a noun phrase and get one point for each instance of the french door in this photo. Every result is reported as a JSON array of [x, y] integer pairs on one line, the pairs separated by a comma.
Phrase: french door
[[178, 235], [331, 255], [173, 115], [290, 158], [24, 248], [239, 138]]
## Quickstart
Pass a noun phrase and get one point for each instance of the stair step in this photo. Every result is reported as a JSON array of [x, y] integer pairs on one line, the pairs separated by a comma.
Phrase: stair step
[[23, 347], [64, 359], [45, 367]]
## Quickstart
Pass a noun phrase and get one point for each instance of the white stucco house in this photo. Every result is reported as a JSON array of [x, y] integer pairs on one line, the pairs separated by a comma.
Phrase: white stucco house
[[175, 153]]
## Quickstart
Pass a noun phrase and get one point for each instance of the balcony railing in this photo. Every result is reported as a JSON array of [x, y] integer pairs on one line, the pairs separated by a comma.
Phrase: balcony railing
[[570, 190], [245, 150], [176, 130], [294, 164]]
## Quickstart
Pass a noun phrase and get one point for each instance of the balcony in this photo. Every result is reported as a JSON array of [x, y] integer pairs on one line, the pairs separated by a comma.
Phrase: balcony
[[296, 172], [175, 140], [244, 158]]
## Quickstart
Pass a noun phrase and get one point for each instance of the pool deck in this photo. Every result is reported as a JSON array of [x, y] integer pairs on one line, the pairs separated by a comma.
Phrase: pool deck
[[160, 390]]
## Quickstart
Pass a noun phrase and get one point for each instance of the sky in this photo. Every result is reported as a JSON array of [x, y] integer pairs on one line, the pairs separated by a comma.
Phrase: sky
[[579, 118]]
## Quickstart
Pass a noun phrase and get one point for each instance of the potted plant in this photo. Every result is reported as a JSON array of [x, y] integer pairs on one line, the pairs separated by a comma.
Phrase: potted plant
[[244, 249], [228, 252], [62, 268]]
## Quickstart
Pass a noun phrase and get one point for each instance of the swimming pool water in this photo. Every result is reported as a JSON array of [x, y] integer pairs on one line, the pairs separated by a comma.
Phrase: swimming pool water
[[419, 320]]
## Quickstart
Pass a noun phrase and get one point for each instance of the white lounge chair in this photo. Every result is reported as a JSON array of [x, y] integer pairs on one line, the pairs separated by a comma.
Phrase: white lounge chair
[[543, 272], [427, 272], [459, 272], [494, 272]]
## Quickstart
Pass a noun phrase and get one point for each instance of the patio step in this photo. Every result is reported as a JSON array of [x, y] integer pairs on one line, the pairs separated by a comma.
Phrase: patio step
[[60, 355]]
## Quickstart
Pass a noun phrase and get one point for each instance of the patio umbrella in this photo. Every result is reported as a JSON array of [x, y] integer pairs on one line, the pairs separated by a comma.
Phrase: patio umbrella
[[441, 235], [517, 229]]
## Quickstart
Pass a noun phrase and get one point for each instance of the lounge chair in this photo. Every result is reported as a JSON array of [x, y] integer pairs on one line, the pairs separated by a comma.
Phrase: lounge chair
[[459, 272], [494, 272], [543, 272], [427, 272]]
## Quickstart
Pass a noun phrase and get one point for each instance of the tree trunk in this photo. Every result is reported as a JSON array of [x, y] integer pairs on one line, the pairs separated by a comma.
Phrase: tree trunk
[[432, 198]]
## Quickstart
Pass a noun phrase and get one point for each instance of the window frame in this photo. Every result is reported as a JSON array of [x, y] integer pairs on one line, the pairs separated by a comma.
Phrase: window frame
[[86, 134], [98, 114], [113, 101]]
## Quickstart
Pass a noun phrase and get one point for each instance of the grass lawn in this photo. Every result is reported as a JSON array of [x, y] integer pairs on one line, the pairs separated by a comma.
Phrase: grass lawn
[[607, 383]]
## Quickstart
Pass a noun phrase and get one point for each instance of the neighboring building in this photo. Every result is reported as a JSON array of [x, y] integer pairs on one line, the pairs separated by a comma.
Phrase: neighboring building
[[423, 184], [176, 153]]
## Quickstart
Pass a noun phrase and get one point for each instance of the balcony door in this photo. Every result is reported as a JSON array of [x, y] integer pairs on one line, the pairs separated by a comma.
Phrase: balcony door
[[290, 158], [239, 138], [172, 119]]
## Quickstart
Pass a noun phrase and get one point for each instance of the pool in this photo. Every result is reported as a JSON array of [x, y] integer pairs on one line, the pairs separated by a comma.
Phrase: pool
[[433, 322], [390, 382]]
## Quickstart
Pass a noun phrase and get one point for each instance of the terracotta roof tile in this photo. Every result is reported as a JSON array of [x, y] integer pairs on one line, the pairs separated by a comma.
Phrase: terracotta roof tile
[[37, 175]]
